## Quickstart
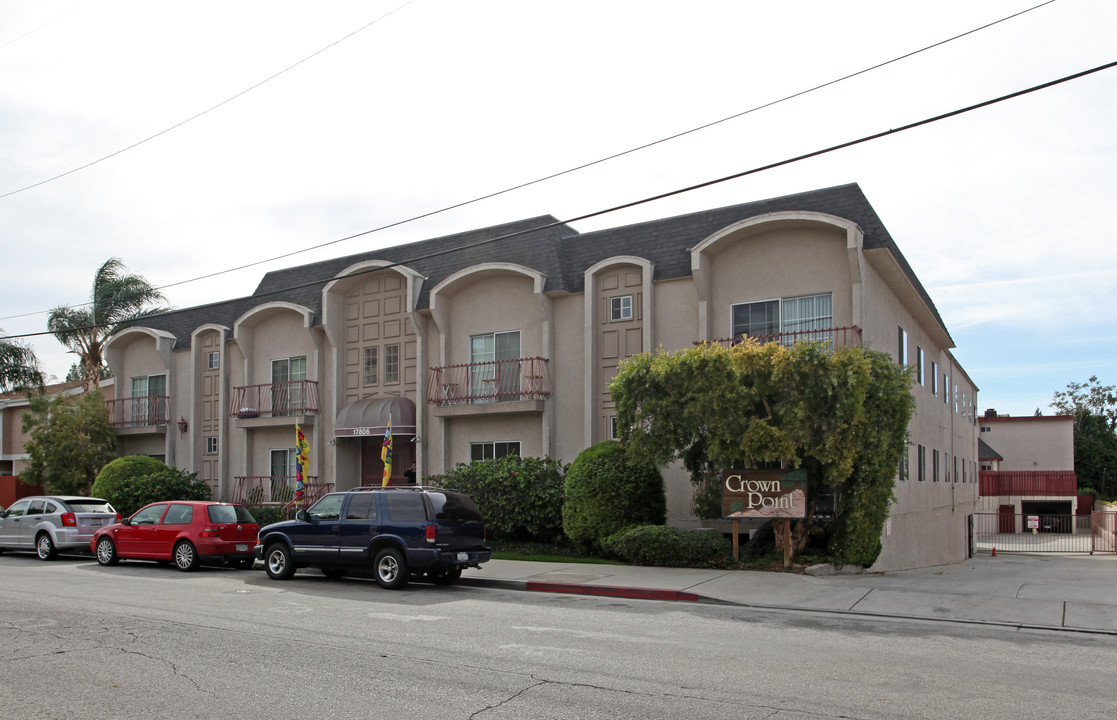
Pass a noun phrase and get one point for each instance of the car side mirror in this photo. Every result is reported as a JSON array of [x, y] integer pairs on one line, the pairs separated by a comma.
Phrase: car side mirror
[[3, 513], [303, 515], [126, 521]]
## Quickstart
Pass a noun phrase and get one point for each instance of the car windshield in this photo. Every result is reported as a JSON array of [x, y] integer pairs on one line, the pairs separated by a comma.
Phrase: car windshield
[[230, 514], [90, 505], [450, 505]]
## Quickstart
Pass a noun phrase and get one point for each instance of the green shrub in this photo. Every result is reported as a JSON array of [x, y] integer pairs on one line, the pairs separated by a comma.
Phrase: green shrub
[[266, 514], [670, 547], [119, 473], [166, 484], [609, 489], [520, 498]]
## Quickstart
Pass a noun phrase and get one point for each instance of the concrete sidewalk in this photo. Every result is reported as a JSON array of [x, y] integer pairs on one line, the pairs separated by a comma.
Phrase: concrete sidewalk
[[1065, 592]]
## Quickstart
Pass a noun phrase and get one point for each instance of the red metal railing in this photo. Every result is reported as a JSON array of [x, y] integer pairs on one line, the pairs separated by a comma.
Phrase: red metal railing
[[273, 490], [838, 337], [496, 381], [998, 483], [299, 397], [138, 411]]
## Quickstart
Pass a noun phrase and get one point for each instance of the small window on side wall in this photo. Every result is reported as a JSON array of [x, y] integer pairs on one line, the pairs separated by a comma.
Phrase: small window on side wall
[[620, 308], [613, 428], [213, 360]]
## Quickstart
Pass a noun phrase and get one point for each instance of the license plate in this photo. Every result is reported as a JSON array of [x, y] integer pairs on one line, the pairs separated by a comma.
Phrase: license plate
[[241, 547], [463, 556], [95, 521]]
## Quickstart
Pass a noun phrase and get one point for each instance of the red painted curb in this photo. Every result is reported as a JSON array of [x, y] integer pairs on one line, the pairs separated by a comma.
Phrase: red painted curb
[[612, 591]]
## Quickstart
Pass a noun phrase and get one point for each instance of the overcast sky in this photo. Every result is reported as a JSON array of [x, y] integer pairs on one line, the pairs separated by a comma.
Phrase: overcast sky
[[314, 121]]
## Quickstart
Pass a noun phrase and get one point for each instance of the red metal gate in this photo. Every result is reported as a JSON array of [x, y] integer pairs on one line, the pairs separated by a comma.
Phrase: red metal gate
[[1045, 533]]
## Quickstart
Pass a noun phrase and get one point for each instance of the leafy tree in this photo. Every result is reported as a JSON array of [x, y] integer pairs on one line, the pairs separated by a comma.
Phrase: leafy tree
[[116, 300], [19, 367], [76, 372], [69, 441], [1094, 409], [840, 415], [609, 489]]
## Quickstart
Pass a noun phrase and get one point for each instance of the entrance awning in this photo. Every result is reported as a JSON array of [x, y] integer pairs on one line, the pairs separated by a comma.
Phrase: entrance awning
[[366, 417]]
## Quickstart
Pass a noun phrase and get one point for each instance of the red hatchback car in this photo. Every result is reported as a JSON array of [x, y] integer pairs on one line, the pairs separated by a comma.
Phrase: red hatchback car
[[188, 533]]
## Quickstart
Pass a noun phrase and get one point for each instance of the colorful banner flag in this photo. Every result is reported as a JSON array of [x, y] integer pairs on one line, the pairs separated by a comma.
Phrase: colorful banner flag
[[386, 453], [302, 464]]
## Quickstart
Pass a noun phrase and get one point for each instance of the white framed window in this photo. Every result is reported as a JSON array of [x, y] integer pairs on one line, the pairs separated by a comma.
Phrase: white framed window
[[149, 400], [493, 374], [919, 365], [934, 378], [371, 365], [211, 444], [213, 360], [903, 474], [283, 471], [946, 388], [934, 465], [810, 316], [901, 345], [620, 308], [287, 375], [921, 463], [613, 428], [391, 363], [493, 450]]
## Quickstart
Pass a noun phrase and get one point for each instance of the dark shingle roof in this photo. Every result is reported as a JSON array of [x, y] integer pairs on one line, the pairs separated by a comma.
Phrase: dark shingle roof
[[547, 245]]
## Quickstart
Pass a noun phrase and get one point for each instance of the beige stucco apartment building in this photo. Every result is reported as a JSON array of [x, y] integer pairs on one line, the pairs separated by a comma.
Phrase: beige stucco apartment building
[[504, 339]]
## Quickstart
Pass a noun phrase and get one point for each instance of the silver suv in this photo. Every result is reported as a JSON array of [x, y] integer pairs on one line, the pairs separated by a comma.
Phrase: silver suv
[[49, 523]]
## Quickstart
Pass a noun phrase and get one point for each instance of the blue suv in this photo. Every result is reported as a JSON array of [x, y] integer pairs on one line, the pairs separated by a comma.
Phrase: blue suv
[[397, 532]]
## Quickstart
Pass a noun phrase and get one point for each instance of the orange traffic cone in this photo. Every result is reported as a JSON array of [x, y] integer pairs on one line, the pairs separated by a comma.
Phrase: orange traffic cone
[[994, 551]]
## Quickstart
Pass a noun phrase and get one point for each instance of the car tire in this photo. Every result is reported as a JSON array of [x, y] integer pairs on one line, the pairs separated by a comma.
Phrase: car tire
[[44, 547], [186, 557], [391, 569], [446, 575], [106, 552], [333, 573], [278, 562], [243, 563]]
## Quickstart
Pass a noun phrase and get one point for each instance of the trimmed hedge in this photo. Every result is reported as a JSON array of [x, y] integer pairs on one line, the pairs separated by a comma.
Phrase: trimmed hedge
[[166, 484], [519, 497], [119, 473], [609, 489], [663, 546]]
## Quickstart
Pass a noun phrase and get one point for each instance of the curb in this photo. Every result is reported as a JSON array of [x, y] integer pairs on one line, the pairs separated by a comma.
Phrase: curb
[[578, 589]]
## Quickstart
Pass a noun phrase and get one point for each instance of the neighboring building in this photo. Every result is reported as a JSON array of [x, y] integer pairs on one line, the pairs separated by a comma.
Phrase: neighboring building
[[1027, 468], [504, 339], [13, 459]]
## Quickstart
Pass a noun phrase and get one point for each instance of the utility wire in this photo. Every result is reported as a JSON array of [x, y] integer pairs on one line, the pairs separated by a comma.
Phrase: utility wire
[[209, 110], [680, 191], [544, 178]]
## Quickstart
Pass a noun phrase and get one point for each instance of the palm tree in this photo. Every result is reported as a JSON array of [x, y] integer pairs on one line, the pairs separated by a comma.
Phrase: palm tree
[[19, 367], [116, 301]]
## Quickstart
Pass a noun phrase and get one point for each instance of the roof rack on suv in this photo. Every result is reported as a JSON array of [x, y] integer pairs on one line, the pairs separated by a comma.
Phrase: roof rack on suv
[[370, 488]]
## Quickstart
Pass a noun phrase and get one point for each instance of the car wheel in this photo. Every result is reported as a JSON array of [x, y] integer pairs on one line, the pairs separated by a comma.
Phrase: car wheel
[[186, 557], [243, 563], [106, 552], [278, 562], [333, 573], [391, 569], [44, 547], [447, 575]]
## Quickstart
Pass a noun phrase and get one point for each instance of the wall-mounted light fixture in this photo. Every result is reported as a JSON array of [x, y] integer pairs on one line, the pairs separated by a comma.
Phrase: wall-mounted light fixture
[[182, 424]]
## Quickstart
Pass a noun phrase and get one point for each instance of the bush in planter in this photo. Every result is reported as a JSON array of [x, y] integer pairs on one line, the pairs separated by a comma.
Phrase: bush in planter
[[663, 546], [520, 498], [609, 489]]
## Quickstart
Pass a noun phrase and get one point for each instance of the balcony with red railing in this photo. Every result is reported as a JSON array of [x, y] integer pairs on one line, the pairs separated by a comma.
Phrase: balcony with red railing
[[147, 412], [274, 490], [275, 400], [1032, 483], [487, 383], [836, 337]]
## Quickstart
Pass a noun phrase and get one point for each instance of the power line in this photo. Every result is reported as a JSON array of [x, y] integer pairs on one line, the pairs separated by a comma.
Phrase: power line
[[577, 167], [680, 191], [226, 101]]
